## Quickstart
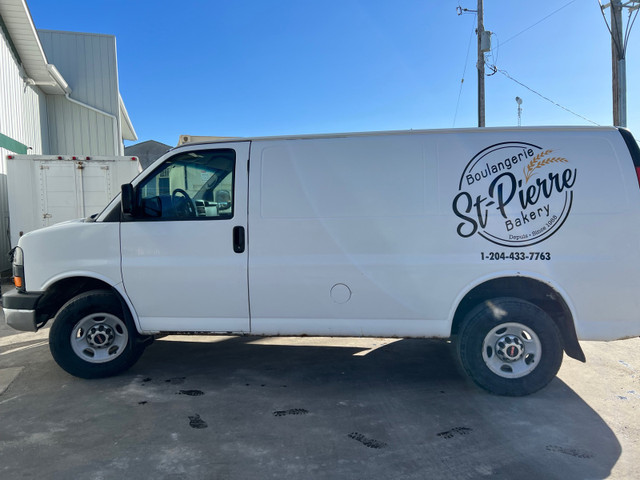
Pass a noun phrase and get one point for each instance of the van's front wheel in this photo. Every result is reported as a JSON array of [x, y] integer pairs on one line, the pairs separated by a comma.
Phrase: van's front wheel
[[510, 346], [92, 337]]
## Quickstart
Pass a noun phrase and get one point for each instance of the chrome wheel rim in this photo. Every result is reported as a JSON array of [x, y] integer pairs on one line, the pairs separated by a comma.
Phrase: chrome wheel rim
[[511, 350], [99, 338]]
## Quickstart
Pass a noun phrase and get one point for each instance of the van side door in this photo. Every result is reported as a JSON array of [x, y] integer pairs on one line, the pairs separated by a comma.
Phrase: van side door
[[184, 258]]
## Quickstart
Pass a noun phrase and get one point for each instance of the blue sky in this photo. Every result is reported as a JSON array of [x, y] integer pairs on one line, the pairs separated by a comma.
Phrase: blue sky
[[253, 68]]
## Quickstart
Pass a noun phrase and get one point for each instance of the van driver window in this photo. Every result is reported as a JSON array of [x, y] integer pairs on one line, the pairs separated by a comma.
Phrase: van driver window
[[191, 185]]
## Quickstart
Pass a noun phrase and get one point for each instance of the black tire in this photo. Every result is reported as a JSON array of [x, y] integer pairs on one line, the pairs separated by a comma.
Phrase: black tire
[[92, 337], [509, 346]]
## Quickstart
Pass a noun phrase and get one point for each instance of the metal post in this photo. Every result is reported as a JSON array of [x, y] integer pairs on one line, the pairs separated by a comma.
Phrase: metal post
[[618, 66], [480, 66]]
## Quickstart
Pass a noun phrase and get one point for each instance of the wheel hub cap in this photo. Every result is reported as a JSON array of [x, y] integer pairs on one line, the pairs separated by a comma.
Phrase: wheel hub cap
[[509, 348], [100, 336]]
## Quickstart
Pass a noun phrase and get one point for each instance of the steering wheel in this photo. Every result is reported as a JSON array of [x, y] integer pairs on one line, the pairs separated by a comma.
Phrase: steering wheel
[[184, 207]]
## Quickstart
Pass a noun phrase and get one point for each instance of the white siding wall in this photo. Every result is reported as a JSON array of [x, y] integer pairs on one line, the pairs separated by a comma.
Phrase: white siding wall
[[22, 115], [88, 64], [75, 130], [21, 107]]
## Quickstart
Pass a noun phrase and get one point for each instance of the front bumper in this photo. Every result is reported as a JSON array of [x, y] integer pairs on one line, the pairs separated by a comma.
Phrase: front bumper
[[20, 310]]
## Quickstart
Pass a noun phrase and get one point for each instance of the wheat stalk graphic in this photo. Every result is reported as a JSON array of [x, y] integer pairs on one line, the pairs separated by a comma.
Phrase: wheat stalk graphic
[[538, 162]]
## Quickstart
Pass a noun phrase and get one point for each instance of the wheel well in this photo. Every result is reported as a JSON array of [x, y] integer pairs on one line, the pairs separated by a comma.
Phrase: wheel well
[[534, 291], [64, 290]]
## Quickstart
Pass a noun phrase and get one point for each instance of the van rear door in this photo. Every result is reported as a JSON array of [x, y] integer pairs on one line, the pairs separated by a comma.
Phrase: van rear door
[[184, 264]]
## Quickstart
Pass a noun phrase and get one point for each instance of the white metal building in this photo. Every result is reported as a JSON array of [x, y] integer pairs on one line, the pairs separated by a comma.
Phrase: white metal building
[[59, 94]]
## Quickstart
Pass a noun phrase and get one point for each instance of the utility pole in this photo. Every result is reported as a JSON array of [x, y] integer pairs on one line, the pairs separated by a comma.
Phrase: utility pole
[[618, 66], [484, 45], [480, 64], [619, 38]]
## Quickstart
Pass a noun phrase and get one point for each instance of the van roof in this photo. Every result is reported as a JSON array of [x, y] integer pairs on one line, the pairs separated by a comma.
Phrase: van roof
[[189, 140]]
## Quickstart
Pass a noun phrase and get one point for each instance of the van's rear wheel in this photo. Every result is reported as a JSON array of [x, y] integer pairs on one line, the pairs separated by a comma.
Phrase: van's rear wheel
[[510, 346], [92, 337]]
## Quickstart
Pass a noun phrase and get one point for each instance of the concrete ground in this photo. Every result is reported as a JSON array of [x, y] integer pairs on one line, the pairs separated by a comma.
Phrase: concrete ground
[[300, 408]]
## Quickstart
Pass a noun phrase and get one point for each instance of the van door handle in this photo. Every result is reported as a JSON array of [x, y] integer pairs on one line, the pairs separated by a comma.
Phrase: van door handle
[[238, 239]]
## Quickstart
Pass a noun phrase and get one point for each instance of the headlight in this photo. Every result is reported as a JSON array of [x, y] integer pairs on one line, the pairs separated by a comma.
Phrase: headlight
[[18, 269]]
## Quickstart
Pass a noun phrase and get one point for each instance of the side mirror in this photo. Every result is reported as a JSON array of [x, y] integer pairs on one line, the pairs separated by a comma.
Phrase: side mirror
[[127, 199]]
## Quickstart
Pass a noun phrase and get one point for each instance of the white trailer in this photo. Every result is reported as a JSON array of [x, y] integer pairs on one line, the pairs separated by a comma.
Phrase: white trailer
[[48, 189]]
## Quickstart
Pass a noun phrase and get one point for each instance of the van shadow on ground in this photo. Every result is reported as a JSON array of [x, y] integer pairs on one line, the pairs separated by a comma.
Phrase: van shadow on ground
[[408, 396], [238, 408]]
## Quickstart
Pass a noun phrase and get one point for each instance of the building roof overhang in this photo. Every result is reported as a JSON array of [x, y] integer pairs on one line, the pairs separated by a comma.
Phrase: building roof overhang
[[128, 132], [17, 21]]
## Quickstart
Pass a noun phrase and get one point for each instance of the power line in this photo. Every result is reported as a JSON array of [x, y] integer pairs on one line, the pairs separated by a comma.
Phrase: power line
[[464, 72], [482, 62], [538, 22], [630, 21], [506, 74]]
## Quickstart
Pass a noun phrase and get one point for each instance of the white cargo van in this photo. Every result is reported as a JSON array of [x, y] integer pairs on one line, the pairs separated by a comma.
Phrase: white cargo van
[[516, 242]]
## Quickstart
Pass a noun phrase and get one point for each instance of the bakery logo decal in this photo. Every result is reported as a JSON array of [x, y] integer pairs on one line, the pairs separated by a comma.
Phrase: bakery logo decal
[[514, 194]]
